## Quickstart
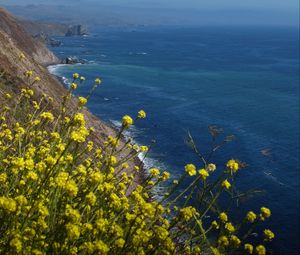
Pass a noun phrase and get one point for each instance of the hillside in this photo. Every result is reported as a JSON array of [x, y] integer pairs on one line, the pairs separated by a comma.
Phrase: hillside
[[14, 40], [51, 29]]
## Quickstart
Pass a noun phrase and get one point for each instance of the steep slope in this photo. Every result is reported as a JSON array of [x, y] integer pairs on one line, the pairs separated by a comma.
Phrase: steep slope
[[14, 36], [14, 41], [51, 29]]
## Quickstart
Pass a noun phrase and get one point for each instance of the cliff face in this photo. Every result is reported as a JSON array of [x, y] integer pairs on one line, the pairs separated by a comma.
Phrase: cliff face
[[13, 37]]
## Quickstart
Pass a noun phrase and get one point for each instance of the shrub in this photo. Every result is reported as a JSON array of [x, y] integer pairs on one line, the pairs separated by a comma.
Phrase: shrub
[[61, 193]]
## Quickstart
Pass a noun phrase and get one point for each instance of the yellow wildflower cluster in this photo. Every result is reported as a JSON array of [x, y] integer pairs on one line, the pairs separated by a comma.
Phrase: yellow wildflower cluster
[[62, 193], [190, 169], [127, 121]]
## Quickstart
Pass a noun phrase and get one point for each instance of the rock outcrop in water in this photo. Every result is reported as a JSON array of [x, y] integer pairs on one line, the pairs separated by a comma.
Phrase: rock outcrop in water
[[77, 30], [71, 60]]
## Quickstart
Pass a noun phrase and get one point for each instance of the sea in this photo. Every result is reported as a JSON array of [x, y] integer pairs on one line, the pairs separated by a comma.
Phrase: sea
[[241, 80]]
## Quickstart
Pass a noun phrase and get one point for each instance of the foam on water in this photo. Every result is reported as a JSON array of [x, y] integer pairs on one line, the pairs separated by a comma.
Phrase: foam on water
[[53, 69], [148, 161]]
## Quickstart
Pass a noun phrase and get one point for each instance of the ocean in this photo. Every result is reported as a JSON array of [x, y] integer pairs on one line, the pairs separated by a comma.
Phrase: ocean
[[244, 80]]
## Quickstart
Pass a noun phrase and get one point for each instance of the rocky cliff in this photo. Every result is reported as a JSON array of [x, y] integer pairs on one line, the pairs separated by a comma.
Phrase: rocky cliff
[[77, 30], [14, 40]]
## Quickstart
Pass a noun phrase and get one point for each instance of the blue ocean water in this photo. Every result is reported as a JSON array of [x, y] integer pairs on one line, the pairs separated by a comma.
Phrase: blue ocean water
[[244, 80]]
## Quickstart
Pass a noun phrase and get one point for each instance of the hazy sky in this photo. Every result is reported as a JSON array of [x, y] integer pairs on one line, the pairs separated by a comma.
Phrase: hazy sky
[[273, 12]]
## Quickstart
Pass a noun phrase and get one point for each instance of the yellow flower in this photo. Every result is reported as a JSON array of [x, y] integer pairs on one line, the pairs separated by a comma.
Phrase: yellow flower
[[113, 160], [79, 119], [43, 210], [141, 114], [265, 212], [8, 204], [269, 235], [21, 200], [73, 231], [37, 78], [260, 250], [73, 86], [197, 250], [28, 73], [232, 165], [31, 175], [223, 241], [76, 75], [144, 148], [187, 212], [223, 217], [47, 116], [8, 96], [226, 184], [72, 214], [211, 167], [203, 173], [82, 78], [37, 252], [165, 175], [154, 172], [71, 188], [251, 216], [100, 247], [235, 240], [120, 242], [91, 198], [80, 134], [125, 165], [127, 121], [190, 169], [229, 227], [248, 248], [29, 233], [16, 244], [215, 225], [3, 178], [98, 81], [82, 101]]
